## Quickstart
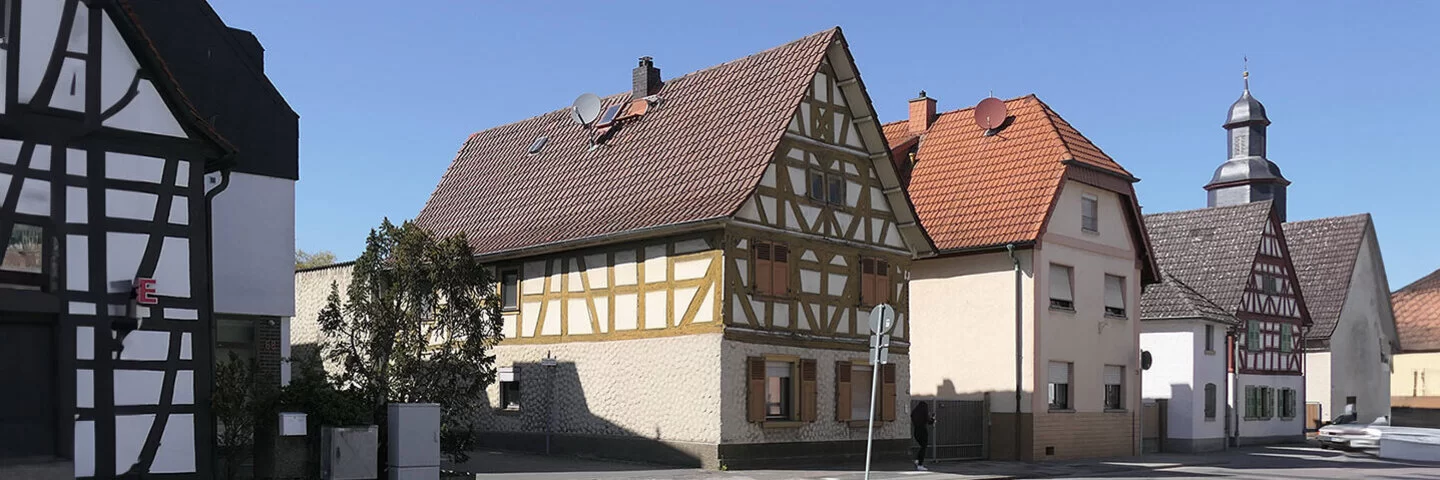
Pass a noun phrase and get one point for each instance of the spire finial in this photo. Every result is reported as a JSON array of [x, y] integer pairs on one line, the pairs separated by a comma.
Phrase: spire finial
[[1246, 74]]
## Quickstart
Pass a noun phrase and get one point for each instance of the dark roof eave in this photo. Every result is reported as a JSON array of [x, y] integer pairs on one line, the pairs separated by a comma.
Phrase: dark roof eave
[[606, 239], [1076, 163], [998, 247]]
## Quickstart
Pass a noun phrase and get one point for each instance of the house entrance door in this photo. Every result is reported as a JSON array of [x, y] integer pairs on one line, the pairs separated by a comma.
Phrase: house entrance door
[[29, 419]]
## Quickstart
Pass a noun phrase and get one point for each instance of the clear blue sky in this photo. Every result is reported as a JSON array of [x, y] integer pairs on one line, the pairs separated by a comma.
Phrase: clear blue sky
[[388, 91]]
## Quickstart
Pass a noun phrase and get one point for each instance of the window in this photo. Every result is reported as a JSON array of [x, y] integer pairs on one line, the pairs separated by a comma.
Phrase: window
[[1114, 387], [23, 265], [1252, 335], [4, 21], [1090, 214], [1252, 407], [1210, 339], [608, 117], [1270, 284], [1060, 294], [1210, 398], [779, 390], [234, 336], [1059, 391], [772, 269], [1115, 296], [1259, 402], [1287, 403], [509, 389], [874, 281], [1267, 402], [510, 289], [1285, 338], [860, 376], [827, 187]]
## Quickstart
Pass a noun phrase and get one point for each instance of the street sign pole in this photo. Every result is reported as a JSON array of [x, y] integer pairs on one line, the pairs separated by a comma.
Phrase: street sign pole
[[882, 319]]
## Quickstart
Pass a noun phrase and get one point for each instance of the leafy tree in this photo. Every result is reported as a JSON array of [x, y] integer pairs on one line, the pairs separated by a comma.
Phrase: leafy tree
[[305, 259], [417, 325], [236, 403]]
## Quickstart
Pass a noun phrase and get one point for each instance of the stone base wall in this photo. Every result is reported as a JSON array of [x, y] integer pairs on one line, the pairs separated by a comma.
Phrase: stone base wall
[[1085, 435]]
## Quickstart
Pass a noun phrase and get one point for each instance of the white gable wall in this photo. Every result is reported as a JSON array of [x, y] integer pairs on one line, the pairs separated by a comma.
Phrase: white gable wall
[[1360, 356]]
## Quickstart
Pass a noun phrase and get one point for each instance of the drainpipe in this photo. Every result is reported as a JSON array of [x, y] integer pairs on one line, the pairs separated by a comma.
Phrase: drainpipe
[[1019, 345], [1232, 378], [210, 270]]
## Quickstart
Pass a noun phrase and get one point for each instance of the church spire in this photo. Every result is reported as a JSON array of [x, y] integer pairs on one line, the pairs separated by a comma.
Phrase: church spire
[[1247, 176]]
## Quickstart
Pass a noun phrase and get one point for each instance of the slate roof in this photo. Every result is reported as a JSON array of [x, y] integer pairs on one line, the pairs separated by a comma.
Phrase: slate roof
[[973, 191], [1172, 298], [695, 156], [1417, 314], [1211, 250], [1324, 252]]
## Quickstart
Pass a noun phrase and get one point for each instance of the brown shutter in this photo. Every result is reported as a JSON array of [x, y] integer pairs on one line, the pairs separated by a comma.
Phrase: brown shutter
[[807, 390], [842, 391], [781, 280], [867, 281], [762, 268], [887, 392], [882, 282], [755, 401]]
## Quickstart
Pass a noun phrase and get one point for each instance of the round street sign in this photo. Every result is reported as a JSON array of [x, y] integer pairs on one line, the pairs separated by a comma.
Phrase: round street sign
[[882, 318]]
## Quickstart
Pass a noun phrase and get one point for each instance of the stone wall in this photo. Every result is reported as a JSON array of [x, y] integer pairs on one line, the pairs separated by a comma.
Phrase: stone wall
[[312, 289]]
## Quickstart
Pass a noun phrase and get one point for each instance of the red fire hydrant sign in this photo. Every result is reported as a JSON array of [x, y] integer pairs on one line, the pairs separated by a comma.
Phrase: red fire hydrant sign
[[145, 291]]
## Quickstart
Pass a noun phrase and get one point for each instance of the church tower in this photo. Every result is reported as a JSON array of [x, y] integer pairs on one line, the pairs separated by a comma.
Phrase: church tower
[[1247, 176]]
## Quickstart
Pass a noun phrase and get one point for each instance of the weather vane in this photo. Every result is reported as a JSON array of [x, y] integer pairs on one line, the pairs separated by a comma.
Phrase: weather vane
[[1246, 74]]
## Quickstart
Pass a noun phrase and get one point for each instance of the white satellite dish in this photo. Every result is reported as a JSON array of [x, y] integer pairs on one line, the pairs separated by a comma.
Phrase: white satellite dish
[[586, 108]]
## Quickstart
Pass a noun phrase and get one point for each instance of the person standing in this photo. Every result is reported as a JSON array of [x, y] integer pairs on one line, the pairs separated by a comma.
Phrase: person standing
[[920, 421]]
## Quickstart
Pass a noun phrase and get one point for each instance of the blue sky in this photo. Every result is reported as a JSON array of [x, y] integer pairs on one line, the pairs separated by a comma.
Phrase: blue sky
[[388, 91]]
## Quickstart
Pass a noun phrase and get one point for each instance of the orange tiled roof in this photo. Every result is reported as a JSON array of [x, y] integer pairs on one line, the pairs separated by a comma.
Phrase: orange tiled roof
[[695, 156], [971, 190], [1417, 314]]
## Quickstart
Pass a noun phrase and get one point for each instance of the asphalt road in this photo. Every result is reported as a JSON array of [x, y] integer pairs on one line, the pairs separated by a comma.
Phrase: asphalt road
[[1288, 462]]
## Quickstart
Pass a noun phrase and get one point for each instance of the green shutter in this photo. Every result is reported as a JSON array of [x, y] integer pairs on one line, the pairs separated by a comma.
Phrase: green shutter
[[1285, 338], [1250, 401], [1252, 336]]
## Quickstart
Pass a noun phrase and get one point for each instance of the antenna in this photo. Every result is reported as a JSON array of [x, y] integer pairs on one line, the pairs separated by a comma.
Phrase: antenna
[[990, 113], [585, 109]]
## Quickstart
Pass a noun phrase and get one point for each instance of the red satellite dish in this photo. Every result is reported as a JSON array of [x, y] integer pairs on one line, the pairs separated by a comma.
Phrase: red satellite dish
[[990, 113]]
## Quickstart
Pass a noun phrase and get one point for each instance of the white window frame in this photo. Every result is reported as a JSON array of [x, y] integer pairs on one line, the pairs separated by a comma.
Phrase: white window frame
[[1114, 375], [1055, 382], [1117, 295], [503, 376], [1090, 223], [1067, 300]]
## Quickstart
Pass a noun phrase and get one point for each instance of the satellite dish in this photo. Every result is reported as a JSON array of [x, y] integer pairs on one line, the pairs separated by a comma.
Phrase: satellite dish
[[586, 108], [1146, 360], [990, 113]]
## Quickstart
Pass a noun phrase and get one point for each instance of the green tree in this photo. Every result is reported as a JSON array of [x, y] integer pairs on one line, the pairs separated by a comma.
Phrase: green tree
[[305, 259], [417, 325], [237, 404]]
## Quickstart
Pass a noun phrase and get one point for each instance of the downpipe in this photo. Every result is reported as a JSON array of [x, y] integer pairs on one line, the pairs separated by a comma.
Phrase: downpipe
[[1019, 345]]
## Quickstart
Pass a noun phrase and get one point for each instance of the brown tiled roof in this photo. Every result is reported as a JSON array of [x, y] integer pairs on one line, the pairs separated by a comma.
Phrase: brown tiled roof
[[1324, 252], [971, 190], [695, 156], [1211, 250], [1417, 314]]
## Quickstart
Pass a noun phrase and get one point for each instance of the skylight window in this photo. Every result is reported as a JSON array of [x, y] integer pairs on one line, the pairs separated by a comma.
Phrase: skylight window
[[539, 144], [609, 116]]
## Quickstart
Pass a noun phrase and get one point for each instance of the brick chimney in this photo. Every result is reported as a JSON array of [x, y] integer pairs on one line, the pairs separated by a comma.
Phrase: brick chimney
[[922, 113], [646, 79]]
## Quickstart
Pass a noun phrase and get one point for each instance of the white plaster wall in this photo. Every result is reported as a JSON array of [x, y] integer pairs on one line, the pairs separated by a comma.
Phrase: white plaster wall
[[963, 328], [1210, 368], [1087, 337], [1113, 225], [1317, 384], [659, 388], [1416, 375], [1171, 376], [254, 239], [1275, 426], [736, 429], [1361, 340]]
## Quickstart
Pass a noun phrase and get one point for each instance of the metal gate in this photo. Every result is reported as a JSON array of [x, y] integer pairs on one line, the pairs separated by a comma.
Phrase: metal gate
[[960, 429]]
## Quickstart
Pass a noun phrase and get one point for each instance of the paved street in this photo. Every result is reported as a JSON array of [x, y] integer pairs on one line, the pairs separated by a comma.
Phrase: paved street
[[1289, 462]]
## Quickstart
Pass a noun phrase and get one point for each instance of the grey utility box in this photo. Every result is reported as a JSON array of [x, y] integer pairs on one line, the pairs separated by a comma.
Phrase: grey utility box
[[414, 440], [349, 453]]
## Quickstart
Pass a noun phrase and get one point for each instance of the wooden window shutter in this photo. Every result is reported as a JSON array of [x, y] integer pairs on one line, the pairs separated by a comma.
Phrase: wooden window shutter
[[882, 282], [781, 279], [755, 399], [842, 391], [807, 390], [762, 268], [867, 281], [887, 392]]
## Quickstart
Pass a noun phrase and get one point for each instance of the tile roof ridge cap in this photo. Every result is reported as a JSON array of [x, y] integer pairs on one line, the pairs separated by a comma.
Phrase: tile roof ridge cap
[[1352, 216], [1420, 284], [1210, 209]]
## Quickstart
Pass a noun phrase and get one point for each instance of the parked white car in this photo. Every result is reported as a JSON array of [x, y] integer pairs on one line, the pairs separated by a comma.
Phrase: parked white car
[[1353, 436]]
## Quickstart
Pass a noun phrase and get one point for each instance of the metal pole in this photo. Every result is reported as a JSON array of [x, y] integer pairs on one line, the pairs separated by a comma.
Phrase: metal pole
[[870, 429]]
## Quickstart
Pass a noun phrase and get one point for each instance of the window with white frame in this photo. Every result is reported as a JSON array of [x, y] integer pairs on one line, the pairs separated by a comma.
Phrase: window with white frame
[[1114, 387], [1059, 385], [780, 390], [1115, 296], [1090, 213], [1061, 294], [509, 389]]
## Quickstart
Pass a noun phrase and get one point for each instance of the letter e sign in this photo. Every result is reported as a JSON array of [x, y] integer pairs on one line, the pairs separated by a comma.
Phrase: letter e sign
[[145, 291]]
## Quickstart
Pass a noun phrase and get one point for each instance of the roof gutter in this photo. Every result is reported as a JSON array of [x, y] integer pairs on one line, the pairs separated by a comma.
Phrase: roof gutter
[[637, 234], [999, 247]]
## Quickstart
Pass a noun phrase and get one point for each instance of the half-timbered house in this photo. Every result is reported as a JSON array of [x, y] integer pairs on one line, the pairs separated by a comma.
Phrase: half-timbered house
[[1030, 307], [1225, 327], [688, 278], [105, 294]]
